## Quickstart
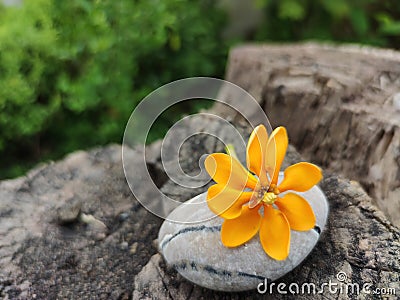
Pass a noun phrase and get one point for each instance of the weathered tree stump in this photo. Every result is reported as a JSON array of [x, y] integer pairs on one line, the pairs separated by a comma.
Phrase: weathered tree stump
[[341, 106]]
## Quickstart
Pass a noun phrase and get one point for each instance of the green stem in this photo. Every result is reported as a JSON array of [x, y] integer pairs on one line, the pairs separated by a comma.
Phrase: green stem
[[230, 150]]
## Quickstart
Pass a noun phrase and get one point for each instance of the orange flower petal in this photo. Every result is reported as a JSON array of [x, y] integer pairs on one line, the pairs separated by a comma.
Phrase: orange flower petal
[[276, 150], [300, 177], [227, 170], [297, 211], [275, 233], [236, 232], [226, 202], [255, 151]]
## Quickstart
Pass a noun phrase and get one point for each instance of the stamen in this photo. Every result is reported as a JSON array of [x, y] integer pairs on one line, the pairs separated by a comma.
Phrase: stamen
[[269, 198], [273, 189]]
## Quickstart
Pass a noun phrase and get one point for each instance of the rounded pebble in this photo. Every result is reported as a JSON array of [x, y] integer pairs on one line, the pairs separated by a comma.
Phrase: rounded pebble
[[196, 252]]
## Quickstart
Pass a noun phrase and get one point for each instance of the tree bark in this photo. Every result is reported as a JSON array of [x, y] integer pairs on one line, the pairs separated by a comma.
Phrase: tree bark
[[341, 106]]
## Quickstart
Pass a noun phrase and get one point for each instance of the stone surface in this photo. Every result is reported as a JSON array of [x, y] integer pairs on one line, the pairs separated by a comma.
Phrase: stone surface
[[67, 228], [69, 212], [195, 250], [338, 104]]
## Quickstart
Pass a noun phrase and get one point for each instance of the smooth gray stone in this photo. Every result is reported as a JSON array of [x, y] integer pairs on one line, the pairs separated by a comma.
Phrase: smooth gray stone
[[196, 251]]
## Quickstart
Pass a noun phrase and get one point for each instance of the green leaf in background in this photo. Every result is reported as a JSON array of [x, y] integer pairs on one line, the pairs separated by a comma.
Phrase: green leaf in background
[[360, 22], [337, 8], [387, 25], [291, 9], [71, 72]]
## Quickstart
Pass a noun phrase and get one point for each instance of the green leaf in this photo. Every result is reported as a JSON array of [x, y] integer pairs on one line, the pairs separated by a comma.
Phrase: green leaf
[[291, 9], [387, 25], [359, 21], [337, 8]]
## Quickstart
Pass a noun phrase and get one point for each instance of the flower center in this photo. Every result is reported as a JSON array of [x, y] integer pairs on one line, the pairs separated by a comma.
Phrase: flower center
[[268, 195]]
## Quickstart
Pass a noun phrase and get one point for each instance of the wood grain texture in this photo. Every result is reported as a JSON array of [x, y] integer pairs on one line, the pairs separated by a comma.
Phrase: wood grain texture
[[338, 104]]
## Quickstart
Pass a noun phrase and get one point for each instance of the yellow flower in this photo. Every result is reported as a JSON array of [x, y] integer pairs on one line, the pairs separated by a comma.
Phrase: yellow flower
[[251, 204]]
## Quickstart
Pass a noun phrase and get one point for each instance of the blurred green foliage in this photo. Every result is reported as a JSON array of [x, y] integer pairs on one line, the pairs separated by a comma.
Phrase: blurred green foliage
[[373, 22], [71, 72]]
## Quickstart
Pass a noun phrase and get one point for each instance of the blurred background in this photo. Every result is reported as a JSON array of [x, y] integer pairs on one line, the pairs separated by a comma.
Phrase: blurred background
[[71, 72]]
